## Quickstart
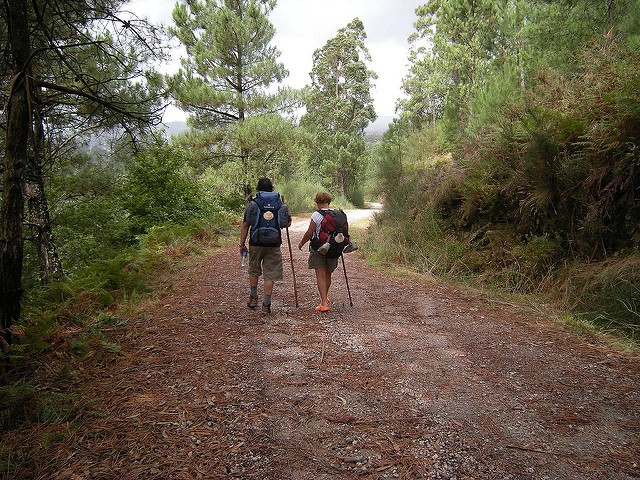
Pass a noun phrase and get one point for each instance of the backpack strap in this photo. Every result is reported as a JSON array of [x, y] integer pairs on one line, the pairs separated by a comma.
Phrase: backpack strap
[[257, 219], [319, 227]]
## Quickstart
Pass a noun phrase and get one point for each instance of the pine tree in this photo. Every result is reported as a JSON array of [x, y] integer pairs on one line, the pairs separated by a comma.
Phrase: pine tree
[[229, 67], [74, 67]]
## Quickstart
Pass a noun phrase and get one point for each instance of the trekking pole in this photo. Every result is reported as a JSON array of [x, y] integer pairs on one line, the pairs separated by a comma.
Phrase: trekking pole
[[293, 271], [346, 280]]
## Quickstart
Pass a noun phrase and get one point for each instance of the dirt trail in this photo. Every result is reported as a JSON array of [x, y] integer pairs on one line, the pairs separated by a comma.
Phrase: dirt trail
[[419, 380]]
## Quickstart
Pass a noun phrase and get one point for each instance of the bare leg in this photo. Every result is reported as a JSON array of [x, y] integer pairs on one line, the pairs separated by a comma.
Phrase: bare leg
[[323, 279], [268, 287]]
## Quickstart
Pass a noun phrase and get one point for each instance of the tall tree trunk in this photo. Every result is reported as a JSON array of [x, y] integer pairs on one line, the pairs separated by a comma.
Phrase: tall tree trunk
[[39, 220], [520, 49], [18, 127], [611, 10]]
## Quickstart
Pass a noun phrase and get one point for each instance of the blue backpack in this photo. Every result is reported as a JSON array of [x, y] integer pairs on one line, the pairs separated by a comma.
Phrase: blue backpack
[[265, 231]]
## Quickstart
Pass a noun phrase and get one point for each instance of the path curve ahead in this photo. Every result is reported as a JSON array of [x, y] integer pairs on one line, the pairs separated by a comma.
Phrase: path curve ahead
[[359, 216]]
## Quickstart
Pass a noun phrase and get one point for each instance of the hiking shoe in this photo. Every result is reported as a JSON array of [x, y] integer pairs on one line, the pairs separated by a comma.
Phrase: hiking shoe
[[350, 248], [266, 308], [253, 302]]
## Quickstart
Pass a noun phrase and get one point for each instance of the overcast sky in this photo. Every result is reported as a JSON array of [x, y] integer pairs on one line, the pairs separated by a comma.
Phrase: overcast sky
[[302, 26]]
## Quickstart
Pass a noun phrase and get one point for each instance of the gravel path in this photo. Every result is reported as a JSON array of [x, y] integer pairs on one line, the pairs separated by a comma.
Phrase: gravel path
[[419, 380]]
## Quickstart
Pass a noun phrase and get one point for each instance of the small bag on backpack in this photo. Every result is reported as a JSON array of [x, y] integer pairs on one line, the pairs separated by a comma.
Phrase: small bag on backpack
[[334, 233], [265, 231]]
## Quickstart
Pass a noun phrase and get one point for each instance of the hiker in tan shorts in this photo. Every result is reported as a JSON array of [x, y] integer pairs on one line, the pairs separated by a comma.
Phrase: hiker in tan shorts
[[264, 216]]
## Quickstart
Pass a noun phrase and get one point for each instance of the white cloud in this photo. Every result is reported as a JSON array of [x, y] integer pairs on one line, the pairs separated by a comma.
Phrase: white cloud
[[174, 114], [154, 11], [389, 62]]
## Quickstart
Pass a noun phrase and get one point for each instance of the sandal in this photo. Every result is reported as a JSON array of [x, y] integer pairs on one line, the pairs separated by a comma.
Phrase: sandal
[[322, 308]]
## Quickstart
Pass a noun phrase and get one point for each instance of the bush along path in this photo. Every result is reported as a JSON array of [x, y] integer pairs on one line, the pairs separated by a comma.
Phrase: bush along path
[[418, 380]]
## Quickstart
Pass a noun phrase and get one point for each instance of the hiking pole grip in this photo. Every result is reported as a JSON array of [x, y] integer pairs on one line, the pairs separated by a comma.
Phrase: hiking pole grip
[[346, 280], [293, 271]]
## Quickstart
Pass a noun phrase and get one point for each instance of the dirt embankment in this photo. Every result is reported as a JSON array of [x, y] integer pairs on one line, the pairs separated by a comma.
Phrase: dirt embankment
[[418, 379]]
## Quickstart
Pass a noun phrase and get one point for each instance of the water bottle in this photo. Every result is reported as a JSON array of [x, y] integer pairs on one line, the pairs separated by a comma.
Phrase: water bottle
[[324, 248], [243, 262]]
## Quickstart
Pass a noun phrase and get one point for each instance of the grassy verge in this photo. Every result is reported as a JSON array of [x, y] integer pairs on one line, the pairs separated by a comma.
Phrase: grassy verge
[[601, 298]]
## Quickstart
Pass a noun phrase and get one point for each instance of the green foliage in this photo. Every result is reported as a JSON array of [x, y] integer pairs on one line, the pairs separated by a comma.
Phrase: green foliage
[[89, 219], [224, 191], [424, 246], [338, 108], [158, 188], [165, 238], [452, 50], [628, 24], [272, 147], [339, 159], [299, 195], [557, 32], [19, 404], [356, 196], [491, 102], [91, 228], [109, 281], [531, 168], [527, 266], [550, 164], [606, 294], [22, 403], [78, 301], [230, 61], [339, 97], [225, 86]]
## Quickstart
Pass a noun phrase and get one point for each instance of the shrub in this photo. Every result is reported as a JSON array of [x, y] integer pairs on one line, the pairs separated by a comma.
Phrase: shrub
[[23, 403], [533, 264], [299, 195], [158, 188], [606, 293], [223, 194]]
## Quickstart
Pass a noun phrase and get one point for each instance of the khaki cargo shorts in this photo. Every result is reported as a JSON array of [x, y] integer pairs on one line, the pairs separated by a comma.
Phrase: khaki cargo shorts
[[320, 261], [267, 260]]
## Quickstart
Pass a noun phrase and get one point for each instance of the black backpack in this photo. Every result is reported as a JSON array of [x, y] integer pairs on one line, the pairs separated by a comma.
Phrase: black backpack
[[265, 231], [334, 222]]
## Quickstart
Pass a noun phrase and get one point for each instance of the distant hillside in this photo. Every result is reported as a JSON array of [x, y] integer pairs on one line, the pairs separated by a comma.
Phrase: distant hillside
[[175, 128], [373, 131], [379, 126]]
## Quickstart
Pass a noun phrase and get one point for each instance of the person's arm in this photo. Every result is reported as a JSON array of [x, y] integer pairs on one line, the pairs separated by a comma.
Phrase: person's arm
[[307, 235], [244, 231], [246, 221]]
